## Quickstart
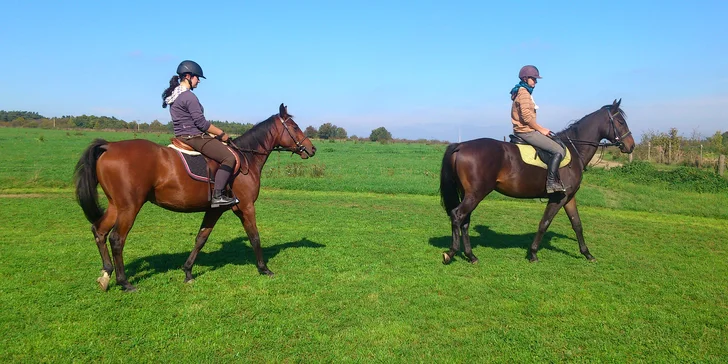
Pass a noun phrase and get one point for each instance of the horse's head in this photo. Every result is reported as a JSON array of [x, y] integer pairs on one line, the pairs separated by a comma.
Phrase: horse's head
[[291, 136], [617, 131]]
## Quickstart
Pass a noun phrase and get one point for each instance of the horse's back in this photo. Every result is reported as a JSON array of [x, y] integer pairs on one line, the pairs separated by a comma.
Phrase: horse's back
[[138, 159], [488, 164], [483, 150]]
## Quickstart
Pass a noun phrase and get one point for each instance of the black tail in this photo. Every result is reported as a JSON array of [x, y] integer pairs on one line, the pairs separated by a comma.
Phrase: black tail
[[450, 193], [86, 180]]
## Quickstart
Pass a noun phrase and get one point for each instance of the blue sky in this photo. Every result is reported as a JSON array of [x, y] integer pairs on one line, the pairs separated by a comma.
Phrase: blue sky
[[426, 69]]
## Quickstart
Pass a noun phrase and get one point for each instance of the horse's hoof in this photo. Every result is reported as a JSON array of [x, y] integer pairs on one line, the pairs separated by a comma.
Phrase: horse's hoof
[[190, 281], [446, 258], [103, 281], [129, 289], [266, 272], [592, 260], [533, 260], [473, 260]]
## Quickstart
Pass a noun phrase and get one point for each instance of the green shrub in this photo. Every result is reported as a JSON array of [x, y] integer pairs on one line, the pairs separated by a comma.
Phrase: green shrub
[[681, 178]]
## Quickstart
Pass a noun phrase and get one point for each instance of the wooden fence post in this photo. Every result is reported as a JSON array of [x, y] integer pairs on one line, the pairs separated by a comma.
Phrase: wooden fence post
[[669, 152], [649, 149], [700, 162], [721, 164]]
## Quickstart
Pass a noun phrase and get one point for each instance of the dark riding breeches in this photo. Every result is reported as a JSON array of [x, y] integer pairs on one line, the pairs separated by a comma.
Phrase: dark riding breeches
[[211, 148], [537, 139]]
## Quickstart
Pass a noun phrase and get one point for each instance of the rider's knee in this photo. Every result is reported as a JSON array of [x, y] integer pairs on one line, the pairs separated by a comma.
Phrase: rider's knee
[[229, 160]]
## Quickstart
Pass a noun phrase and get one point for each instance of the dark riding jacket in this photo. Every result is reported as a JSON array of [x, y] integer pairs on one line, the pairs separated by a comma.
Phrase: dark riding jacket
[[188, 115]]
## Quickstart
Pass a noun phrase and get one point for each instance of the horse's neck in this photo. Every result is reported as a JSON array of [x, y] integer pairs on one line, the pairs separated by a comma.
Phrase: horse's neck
[[579, 135], [258, 161], [264, 149]]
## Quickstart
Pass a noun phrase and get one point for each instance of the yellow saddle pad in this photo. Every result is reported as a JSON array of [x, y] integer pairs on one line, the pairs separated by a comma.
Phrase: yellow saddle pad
[[529, 156]]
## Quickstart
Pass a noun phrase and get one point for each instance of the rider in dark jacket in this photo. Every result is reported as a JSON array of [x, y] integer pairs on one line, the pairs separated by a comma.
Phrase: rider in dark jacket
[[191, 127]]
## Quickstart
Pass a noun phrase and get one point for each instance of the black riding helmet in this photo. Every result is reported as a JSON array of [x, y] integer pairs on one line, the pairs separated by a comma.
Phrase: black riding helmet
[[190, 67]]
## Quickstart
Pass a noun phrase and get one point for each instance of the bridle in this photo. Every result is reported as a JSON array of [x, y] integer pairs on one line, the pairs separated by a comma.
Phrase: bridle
[[300, 148], [618, 140]]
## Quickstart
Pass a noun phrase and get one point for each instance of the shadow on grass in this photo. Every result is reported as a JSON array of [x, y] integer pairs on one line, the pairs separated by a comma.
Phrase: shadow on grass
[[235, 251], [491, 239]]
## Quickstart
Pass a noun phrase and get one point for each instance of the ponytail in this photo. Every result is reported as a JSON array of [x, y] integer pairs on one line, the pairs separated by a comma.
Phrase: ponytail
[[173, 83]]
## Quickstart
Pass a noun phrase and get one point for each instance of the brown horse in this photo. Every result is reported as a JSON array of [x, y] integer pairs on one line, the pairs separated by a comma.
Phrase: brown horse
[[471, 170], [132, 172]]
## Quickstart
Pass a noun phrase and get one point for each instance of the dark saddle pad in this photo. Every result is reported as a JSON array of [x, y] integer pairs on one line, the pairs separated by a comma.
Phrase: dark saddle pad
[[542, 154], [197, 167]]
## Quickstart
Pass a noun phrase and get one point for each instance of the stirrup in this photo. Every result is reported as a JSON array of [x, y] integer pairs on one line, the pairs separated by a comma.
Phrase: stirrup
[[555, 187]]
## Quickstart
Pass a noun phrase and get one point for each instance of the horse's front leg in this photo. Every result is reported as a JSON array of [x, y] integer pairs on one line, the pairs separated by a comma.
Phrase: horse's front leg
[[208, 222], [247, 217], [573, 214], [553, 206]]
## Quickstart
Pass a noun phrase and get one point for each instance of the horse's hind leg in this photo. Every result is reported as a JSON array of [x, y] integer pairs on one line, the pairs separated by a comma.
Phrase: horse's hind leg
[[466, 240], [447, 256], [208, 222], [573, 214], [460, 217], [124, 223], [101, 230]]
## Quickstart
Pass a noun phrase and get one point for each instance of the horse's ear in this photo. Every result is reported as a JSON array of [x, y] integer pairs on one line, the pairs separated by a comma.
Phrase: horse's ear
[[619, 102], [282, 110]]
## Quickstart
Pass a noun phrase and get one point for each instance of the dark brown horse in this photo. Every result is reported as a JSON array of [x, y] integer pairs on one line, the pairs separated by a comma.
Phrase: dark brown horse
[[132, 172], [471, 170]]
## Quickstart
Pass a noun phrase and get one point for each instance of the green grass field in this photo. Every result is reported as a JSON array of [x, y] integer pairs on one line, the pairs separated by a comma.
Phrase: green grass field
[[354, 236]]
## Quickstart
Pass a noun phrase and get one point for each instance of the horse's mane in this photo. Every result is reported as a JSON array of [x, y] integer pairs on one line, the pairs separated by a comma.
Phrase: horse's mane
[[256, 136], [573, 127]]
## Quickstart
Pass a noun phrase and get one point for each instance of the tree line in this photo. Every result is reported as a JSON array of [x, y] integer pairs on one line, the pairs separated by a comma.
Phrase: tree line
[[30, 119]]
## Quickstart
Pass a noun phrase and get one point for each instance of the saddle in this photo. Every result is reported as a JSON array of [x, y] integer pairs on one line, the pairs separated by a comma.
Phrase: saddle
[[537, 156], [198, 166]]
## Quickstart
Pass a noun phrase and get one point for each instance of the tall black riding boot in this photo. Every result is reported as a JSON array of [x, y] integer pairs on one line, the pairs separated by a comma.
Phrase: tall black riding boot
[[553, 182]]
